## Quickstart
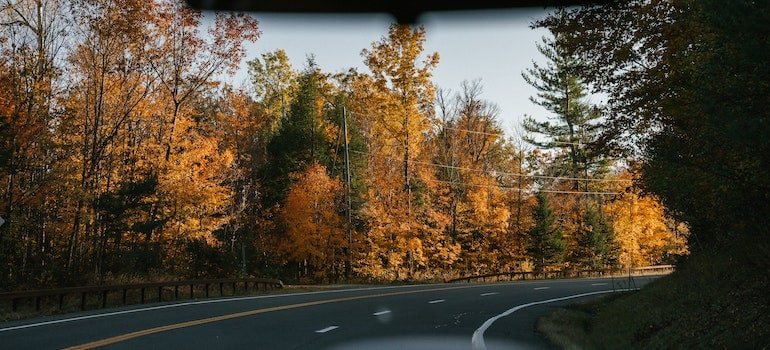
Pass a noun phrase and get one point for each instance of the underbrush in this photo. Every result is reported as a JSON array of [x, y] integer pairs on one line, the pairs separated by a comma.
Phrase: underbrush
[[716, 299]]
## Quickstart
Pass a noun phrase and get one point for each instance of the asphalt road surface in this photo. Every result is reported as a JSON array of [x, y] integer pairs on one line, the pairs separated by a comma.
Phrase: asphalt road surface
[[437, 316]]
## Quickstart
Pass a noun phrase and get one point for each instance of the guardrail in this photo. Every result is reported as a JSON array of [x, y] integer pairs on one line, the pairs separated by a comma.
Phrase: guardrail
[[524, 275], [104, 290]]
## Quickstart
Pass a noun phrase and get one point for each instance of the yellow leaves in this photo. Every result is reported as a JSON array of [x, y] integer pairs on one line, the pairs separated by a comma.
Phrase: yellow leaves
[[312, 220], [643, 232], [192, 184]]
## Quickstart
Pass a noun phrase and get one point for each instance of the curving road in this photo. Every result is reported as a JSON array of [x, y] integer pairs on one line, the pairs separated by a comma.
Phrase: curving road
[[443, 316]]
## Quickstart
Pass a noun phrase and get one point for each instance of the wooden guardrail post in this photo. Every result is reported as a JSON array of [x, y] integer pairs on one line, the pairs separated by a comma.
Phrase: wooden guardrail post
[[39, 297]]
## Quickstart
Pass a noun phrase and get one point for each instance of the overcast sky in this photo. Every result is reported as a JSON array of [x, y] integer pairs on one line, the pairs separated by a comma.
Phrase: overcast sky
[[492, 46]]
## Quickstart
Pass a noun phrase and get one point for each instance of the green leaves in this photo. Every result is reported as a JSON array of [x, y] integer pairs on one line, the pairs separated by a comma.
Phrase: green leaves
[[545, 241]]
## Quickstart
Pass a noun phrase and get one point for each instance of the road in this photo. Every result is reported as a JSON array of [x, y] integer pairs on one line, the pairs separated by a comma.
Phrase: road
[[437, 316]]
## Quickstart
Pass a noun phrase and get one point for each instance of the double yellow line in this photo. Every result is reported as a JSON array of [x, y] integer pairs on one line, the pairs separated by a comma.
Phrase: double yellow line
[[137, 334]]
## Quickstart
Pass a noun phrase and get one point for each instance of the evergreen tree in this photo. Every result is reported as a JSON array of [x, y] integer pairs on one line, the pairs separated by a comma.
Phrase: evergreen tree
[[300, 140], [545, 244], [574, 126], [596, 246]]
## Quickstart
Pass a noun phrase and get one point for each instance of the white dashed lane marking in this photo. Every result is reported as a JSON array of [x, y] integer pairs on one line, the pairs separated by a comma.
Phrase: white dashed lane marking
[[488, 294], [381, 312], [436, 301], [330, 328], [539, 288], [598, 284]]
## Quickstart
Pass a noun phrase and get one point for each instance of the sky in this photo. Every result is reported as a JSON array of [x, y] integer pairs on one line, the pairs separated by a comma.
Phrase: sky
[[493, 46]]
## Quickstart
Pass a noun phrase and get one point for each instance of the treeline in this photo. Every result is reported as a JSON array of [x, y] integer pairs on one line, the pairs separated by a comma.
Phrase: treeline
[[121, 154], [687, 83]]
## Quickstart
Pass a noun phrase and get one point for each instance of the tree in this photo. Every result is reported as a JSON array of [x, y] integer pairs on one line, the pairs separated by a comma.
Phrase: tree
[[185, 62], [686, 83], [397, 98], [302, 137], [596, 246], [545, 241], [192, 165], [311, 215], [469, 148], [275, 84], [643, 233], [573, 130], [32, 36], [573, 126], [110, 85], [395, 73]]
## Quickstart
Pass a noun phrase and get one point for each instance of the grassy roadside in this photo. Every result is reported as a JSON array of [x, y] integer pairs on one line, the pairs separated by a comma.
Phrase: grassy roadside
[[712, 301]]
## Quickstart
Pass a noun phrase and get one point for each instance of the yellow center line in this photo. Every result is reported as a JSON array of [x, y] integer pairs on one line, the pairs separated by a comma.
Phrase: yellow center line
[[141, 333]]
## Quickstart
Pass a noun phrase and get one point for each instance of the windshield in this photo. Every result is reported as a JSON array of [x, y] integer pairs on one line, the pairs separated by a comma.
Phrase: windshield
[[342, 174]]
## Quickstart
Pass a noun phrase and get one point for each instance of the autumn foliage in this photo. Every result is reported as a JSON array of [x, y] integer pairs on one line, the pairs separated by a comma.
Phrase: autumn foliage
[[121, 152]]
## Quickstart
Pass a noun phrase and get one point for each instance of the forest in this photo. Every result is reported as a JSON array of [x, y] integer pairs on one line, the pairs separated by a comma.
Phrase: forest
[[124, 156]]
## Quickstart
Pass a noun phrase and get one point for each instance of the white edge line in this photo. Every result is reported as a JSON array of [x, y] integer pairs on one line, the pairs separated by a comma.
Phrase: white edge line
[[160, 307], [477, 341], [436, 301], [330, 328], [381, 312]]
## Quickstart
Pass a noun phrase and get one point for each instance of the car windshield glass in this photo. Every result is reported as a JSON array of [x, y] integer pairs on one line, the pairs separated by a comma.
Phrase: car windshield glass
[[298, 177]]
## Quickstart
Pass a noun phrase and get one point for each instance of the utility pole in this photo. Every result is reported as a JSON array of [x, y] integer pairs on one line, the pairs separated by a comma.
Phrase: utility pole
[[243, 259], [349, 260]]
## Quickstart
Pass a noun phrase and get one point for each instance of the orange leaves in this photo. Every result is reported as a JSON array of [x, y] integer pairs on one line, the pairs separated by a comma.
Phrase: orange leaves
[[192, 186], [644, 233], [402, 86], [312, 220]]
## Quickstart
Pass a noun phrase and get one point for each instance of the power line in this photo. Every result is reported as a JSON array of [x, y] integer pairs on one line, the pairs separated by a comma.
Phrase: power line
[[503, 135], [495, 172], [474, 131], [522, 190]]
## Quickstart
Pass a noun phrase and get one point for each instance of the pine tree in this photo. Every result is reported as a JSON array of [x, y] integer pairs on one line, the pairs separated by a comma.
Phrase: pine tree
[[573, 128], [596, 246], [300, 140], [545, 244]]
